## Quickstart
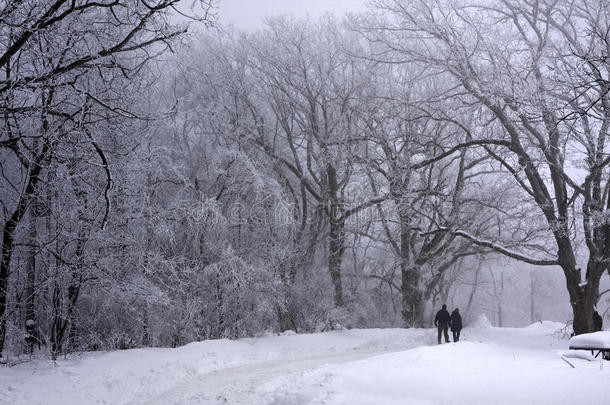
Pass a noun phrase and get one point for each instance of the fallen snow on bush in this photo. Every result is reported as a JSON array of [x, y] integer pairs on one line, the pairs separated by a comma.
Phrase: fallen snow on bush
[[376, 366]]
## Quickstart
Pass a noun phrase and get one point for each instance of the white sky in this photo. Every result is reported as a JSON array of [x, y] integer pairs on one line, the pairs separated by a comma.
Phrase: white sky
[[249, 14]]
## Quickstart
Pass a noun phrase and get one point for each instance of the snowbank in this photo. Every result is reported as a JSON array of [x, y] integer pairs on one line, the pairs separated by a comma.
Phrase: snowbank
[[467, 373], [596, 340], [351, 367], [140, 375]]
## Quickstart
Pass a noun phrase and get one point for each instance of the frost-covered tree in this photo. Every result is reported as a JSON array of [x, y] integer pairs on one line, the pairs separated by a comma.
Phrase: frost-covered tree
[[539, 70], [314, 86], [68, 74]]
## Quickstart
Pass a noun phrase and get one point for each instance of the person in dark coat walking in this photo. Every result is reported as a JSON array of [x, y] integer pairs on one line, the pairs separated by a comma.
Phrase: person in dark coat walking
[[441, 321], [456, 324]]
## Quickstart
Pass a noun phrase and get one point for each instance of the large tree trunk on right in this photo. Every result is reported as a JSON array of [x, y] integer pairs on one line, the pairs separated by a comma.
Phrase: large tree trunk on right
[[583, 317], [583, 297]]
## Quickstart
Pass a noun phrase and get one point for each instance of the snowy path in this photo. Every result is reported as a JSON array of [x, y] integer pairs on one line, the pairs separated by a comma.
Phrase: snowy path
[[210, 372], [246, 384], [356, 367]]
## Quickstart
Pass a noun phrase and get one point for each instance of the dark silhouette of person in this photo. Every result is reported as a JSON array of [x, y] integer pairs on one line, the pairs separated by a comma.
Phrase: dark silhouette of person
[[597, 321], [456, 324], [441, 321]]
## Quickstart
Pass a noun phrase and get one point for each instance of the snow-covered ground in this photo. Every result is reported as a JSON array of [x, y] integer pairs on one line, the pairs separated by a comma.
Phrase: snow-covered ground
[[375, 366]]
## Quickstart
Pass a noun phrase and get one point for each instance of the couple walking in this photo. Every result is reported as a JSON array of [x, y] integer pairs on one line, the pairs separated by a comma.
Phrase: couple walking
[[443, 320]]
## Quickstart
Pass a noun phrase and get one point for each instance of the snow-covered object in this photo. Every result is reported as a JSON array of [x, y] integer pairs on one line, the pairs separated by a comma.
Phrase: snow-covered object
[[595, 340], [482, 322]]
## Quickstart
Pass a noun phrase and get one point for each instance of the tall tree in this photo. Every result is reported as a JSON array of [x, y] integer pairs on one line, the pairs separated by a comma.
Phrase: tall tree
[[62, 64], [551, 108], [310, 91]]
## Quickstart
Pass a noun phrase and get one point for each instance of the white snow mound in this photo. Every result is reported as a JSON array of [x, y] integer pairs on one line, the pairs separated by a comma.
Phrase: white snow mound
[[595, 340]]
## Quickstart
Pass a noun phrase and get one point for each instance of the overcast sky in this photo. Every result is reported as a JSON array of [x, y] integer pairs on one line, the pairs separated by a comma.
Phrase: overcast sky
[[249, 14]]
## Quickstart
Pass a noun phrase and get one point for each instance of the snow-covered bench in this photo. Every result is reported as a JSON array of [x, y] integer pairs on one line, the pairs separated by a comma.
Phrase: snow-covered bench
[[595, 342]]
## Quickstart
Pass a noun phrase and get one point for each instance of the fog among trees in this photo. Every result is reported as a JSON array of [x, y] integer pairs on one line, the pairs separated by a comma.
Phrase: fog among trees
[[161, 185]]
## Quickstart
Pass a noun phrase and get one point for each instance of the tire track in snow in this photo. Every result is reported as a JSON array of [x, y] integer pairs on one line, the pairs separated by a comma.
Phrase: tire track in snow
[[249, 384]]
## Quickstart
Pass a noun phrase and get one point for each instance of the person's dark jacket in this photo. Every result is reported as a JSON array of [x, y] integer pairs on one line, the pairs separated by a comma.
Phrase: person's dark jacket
[[442, 317], [456, 321]]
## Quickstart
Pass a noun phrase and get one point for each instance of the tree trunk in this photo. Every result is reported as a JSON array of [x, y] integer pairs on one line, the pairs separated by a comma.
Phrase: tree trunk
[[583, 317], [475, 285], [412, 300], [336, 249], [56, 321], [73, 294], [583, 297], [284, 312], [64, 317], [8, 235], [30, 268], [146, 337], [501, 302], [336, 239], [220, 324], [412, 297], [532, 295]]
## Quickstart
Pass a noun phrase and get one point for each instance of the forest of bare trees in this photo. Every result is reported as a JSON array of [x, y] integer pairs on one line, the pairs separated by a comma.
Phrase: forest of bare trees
[[160, 185]]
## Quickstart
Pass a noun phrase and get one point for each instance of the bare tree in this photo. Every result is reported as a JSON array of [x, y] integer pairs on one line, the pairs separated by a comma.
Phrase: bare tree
[[549, 106], [62, 64], [313, 88]]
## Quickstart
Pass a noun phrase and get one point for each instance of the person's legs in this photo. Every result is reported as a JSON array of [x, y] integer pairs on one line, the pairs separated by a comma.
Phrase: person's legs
[[439, 327], [455, 334], [446, 330]]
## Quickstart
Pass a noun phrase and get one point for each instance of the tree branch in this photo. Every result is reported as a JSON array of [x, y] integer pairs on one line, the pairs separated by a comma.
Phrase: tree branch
[[506, 252], [479, 142]]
